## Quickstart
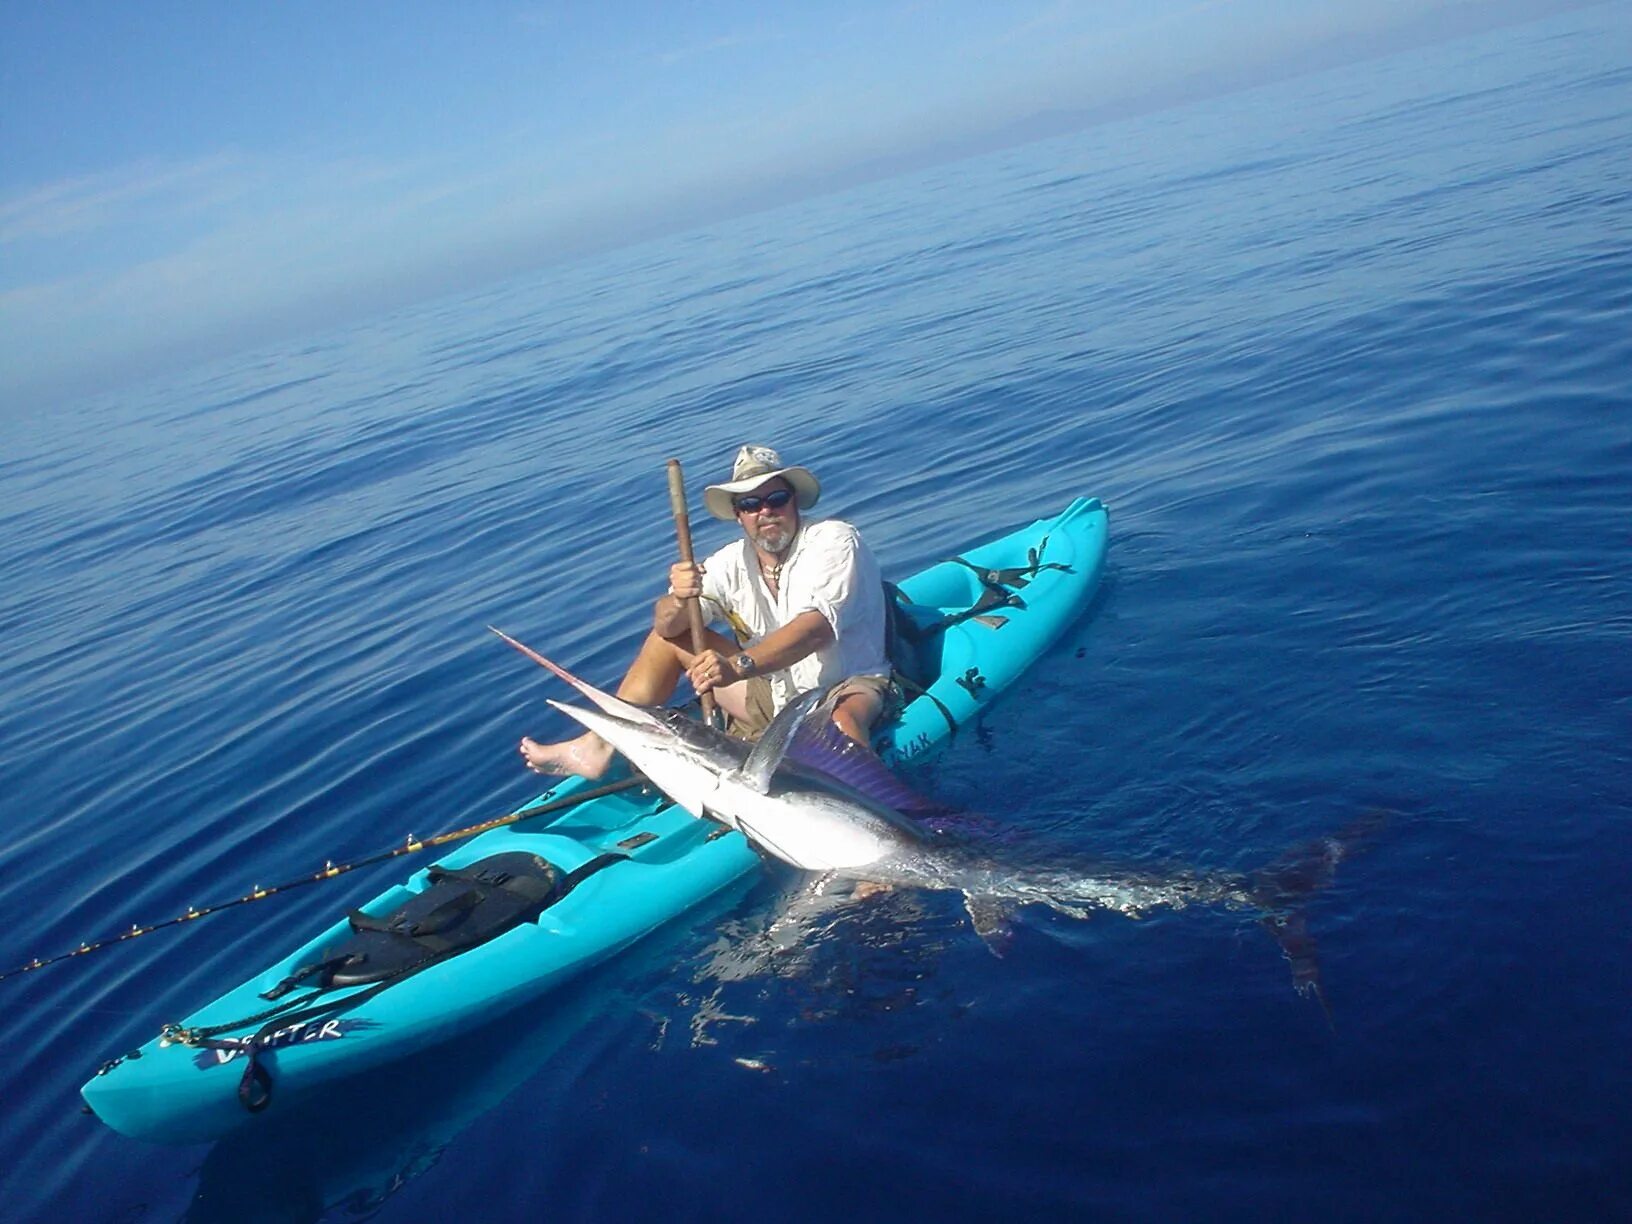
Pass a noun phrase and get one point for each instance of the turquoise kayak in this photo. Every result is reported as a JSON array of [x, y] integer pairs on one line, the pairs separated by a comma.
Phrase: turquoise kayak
[[582, 882]]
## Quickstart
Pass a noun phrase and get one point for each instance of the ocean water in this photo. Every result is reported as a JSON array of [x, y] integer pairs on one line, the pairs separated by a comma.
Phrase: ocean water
[[1350, 359]]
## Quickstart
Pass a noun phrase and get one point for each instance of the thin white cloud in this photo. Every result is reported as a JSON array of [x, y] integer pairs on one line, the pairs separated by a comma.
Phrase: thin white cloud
[[538, 19], [1050, 19], [89, 202], [890, 14], [713, 46]]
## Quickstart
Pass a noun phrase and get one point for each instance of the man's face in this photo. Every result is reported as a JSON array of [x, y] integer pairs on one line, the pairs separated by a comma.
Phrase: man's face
[[769, 526]]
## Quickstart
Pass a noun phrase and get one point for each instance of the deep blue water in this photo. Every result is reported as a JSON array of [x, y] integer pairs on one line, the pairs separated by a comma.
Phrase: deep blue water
[[1350, 359]]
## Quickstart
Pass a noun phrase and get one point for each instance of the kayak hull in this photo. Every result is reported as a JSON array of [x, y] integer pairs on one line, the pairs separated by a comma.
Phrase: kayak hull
[[173, 1092]]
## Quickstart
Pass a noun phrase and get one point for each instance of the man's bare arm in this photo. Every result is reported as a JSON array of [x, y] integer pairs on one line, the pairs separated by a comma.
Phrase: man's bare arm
[[669, 612], [803, 635]]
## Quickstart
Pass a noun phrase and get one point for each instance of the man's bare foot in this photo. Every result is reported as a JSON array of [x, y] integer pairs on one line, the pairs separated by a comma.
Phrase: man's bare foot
[[588, 756]]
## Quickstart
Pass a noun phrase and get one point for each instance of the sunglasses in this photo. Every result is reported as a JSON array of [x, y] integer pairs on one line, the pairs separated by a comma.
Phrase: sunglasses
[[751, 503]]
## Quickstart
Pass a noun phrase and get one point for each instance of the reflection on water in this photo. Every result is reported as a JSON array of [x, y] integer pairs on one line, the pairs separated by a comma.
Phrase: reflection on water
[[820, 951], [353, 1146]]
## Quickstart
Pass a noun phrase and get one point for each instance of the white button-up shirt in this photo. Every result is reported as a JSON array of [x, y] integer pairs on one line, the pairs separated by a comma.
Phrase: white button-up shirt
[[829, 570]]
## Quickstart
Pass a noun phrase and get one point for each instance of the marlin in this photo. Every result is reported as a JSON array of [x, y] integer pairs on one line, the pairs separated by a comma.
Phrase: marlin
[[808, 795]]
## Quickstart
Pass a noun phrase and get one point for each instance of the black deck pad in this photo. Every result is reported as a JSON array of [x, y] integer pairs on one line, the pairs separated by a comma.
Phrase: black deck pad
[[459, 909]]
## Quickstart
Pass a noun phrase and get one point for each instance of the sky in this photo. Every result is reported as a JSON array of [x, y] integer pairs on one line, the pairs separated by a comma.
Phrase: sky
[[182, 180]]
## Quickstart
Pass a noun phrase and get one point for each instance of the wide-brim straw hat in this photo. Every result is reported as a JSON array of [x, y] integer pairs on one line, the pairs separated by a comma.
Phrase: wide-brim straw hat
[[753, 467]]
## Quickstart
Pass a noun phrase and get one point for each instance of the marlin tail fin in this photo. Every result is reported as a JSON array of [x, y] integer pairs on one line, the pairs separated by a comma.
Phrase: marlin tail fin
[[1283, 887]]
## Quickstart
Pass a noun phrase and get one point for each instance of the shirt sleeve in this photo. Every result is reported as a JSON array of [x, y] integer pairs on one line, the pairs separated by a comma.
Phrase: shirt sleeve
[[827, 580], [720, 584]]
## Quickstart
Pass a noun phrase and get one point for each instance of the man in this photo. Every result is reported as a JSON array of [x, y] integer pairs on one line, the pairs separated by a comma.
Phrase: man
[[804, 602]]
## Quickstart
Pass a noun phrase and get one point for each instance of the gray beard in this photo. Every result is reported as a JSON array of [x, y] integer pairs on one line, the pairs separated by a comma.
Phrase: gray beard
[[774, 539]]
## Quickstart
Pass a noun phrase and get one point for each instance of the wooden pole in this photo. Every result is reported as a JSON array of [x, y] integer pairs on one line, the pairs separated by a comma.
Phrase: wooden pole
[[682, 531]]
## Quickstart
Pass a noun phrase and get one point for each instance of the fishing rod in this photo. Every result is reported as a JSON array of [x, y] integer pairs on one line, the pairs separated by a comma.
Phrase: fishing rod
[[331, 870]]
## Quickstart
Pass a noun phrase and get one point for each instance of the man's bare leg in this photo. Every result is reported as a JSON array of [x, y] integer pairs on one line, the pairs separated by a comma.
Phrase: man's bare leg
[[856, 713], [650, 680]]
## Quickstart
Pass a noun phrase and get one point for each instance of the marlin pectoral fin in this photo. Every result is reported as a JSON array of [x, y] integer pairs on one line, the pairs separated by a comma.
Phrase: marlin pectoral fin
[[990, 918], [692, 803], [773, 745]]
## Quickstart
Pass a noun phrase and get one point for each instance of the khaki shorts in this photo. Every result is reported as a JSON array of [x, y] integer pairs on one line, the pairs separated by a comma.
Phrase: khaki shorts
[[760, 703]]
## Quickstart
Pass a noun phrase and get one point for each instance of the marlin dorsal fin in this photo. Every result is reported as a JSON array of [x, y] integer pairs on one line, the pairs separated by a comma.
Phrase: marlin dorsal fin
[[773, 745]]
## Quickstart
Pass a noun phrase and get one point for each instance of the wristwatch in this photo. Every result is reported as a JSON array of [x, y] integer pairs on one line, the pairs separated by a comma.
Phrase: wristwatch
[[744, 663]]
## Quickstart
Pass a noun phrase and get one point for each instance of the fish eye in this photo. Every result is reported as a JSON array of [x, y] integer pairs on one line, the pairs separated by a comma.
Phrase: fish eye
[[677, 722]]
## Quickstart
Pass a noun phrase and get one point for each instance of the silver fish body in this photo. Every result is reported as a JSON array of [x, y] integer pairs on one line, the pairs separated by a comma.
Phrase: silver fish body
[[810, 818]]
